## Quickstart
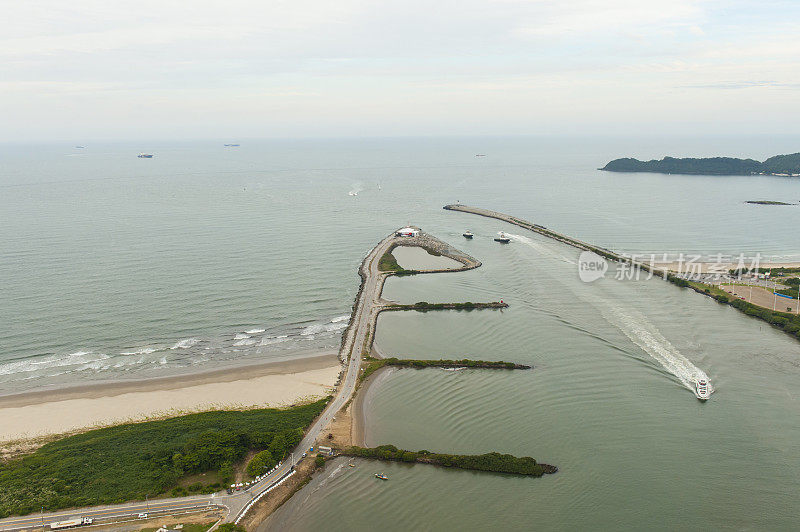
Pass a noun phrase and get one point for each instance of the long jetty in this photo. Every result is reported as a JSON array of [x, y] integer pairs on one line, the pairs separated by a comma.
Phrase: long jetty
[[536, 228]]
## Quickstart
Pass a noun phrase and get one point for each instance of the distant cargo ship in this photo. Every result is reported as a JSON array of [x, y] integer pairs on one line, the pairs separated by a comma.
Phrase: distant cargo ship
[[145, 156]]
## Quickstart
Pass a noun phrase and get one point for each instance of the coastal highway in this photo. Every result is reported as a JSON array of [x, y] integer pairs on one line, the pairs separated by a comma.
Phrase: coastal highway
[[366, 308], [110, 514]]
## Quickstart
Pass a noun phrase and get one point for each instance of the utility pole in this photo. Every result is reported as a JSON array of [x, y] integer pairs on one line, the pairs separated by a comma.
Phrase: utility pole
[[42, 517]]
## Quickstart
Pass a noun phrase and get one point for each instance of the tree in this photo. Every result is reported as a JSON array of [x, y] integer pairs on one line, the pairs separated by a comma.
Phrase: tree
[[278, 446], [260, 463]]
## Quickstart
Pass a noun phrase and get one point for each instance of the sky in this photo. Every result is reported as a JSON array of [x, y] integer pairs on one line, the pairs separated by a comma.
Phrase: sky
[[238, 69]]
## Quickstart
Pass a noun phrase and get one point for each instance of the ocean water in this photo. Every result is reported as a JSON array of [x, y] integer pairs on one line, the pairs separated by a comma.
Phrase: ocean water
[[115, 267], [608, 401]]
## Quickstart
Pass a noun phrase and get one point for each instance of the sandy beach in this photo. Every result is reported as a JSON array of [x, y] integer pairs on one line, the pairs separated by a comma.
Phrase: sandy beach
[[39, 414]]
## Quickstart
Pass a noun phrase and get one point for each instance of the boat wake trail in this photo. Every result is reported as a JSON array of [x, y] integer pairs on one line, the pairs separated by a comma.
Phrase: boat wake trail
[[644, 334], [541, 248]]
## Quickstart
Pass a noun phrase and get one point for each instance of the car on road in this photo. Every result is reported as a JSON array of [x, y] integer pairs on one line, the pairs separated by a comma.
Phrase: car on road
[[142, 516]]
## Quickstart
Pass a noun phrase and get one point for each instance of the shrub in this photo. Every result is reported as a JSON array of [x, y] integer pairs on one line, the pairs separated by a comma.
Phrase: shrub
[[319, 461], [260, 463]]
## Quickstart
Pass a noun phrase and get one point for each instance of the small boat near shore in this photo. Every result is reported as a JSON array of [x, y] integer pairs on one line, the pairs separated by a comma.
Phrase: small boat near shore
[[145, 156], [702, 389], [468, 234], [381, 476], [502, 238]]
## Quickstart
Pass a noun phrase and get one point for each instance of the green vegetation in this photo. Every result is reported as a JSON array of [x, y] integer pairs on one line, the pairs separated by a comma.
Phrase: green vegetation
[[780, 164], [128, 462], [493, 462], [230, 527], [786, 321], [319, 461], [388, 263], [375, 364], [261, 462], [789, 292], [425, 306]]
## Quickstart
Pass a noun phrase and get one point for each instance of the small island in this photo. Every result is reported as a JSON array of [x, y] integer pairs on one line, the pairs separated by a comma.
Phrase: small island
[[779, 165]]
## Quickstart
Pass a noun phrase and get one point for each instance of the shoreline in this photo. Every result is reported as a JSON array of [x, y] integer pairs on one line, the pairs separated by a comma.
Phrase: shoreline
[[100, 389], [29, 420]]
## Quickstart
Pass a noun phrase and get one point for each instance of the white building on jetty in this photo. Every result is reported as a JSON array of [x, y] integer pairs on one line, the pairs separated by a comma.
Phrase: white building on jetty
[[407, 231]]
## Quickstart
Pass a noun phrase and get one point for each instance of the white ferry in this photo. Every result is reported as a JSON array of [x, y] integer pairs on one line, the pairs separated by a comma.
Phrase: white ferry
[[702, 389]]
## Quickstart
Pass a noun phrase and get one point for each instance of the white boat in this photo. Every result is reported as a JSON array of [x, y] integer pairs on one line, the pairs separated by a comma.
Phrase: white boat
[[145, 156], [503, 239], [468, 234], [702, 389]]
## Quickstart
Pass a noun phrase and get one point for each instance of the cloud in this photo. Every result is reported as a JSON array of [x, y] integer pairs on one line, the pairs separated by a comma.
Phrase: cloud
[[448, 65]]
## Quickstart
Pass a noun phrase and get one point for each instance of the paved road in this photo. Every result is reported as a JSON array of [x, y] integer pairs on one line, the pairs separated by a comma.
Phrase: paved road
[[109, 514], [362, 321]]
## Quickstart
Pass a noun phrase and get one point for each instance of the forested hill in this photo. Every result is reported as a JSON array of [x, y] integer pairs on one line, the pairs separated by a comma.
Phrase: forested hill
[[777, 165]]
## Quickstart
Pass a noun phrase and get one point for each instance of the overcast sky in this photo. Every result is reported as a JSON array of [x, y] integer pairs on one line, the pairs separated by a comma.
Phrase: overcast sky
[[305, 68]]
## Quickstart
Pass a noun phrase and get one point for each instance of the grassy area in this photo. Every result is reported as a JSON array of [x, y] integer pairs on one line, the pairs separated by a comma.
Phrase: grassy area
[[388, 263], [128, 462], [493, 462]]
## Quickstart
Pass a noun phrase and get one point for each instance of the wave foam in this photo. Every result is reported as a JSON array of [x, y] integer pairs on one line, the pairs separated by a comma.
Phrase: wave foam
[[245, 341], [142, 351], [323, 327], [255, 331], [269, 340], [78, 358], [186, 343]]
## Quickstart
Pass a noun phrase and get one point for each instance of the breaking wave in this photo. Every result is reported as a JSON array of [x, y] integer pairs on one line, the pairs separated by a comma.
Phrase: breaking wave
[[142, 351], [323, 327], [79, 358], [186, 343]]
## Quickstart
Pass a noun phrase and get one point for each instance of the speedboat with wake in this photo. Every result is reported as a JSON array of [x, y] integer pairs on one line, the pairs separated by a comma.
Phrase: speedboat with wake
[[702, 389], [502, 238], [381, 476]]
